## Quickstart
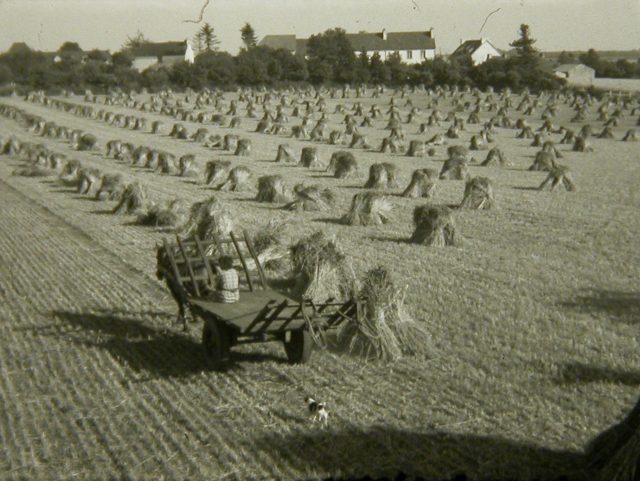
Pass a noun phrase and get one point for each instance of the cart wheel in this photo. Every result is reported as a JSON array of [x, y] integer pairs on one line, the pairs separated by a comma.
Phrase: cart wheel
[[299, 347], [215, 340]]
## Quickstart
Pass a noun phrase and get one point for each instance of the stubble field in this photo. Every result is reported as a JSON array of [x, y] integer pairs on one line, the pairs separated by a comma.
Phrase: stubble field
[[534, 321]]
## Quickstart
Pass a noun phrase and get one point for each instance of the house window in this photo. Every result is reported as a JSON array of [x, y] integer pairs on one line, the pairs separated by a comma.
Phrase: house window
[[423, 54], [409, 54]]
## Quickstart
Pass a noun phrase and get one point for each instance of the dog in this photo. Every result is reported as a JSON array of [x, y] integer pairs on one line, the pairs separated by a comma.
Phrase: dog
[[317, 411]]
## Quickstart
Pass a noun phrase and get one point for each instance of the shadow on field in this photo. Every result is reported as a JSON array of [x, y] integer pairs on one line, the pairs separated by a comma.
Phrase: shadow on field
[[381, 451], [321, 176], [169, 230], [578, 373], [159, 353], [328, 220], [391, 238], [618, 306], [189, 181], [102, 211], [91, 198], [64, 190]]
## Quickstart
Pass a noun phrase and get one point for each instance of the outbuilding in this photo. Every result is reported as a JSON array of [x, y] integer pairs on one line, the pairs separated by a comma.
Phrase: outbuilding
[[578, 74]]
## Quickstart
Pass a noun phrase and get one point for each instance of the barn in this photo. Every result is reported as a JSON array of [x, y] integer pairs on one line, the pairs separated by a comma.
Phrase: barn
[[577, 74]]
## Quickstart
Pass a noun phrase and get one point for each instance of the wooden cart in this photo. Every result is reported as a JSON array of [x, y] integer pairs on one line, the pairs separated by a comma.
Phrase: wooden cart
[[261, 315]]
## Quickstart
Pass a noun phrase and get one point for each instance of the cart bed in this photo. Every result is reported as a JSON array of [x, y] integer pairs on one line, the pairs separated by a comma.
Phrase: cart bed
[[261, 311], [251, 307]]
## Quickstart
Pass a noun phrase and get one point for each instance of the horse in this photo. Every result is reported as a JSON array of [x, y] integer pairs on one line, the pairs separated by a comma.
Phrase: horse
[[180, 290]]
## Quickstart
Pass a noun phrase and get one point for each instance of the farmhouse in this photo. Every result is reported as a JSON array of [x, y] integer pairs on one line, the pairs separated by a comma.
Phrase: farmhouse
[[576, 73], [479, 50], [152, 53], [413, 47]]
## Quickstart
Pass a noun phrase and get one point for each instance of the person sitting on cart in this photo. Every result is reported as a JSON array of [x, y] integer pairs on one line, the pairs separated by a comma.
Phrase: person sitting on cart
[[227, 288]]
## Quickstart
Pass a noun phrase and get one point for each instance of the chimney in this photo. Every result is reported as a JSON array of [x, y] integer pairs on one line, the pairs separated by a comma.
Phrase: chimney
[[430, 32], [384, 34]]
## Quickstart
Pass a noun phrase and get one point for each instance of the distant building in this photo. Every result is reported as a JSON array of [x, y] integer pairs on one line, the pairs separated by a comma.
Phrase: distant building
[[157, 53], [479, 50], [287, 42], [412, 47], [576, 73], [80, 56]]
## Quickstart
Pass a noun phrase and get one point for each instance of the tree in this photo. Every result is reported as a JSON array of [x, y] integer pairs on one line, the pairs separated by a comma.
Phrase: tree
[[526, 69], [566, 57], [136, 41], [248, 36], [626, 68], [209, 40], [379, 71], [184, 75], [592, 59], [20, 48], [23, 61], [218, 68], [6, 75], [330, 57], [397, 69], [99, 55], [198, 44], [361, 72], [253, 66], [69, 47], [292, 67], [156, 78], [122, 59], [526, 54], [320, 71]]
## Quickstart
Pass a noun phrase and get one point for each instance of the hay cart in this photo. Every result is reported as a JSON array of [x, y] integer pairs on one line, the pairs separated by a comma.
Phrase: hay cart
[[261, 315]]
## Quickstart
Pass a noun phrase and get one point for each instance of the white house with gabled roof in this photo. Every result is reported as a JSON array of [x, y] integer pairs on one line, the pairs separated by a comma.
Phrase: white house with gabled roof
[[479, 50]]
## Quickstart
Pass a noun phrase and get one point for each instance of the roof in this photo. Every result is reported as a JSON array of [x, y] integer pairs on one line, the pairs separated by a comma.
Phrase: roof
[[363, 41], [288, 42], [469, 46], [567, 67], [159, 49], [395, 41]]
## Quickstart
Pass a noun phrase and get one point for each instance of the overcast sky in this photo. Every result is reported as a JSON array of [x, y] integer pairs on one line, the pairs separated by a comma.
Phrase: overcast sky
[[105, 24]]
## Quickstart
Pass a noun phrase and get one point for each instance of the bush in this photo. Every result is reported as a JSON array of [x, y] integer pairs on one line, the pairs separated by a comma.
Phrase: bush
[[217, 68], [6, 75]]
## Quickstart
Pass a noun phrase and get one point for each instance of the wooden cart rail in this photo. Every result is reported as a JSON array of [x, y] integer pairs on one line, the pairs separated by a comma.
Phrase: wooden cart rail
[[192, 259], [282, 315], [269, 311]]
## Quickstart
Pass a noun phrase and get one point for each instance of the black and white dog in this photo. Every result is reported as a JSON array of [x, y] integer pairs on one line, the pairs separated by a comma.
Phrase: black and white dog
[[317, 411]]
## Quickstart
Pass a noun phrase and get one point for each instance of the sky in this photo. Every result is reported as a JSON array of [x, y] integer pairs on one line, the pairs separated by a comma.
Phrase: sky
[[106, 24]]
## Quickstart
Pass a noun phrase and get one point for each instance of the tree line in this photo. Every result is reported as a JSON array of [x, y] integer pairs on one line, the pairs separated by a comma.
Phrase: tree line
[[329, 60]]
